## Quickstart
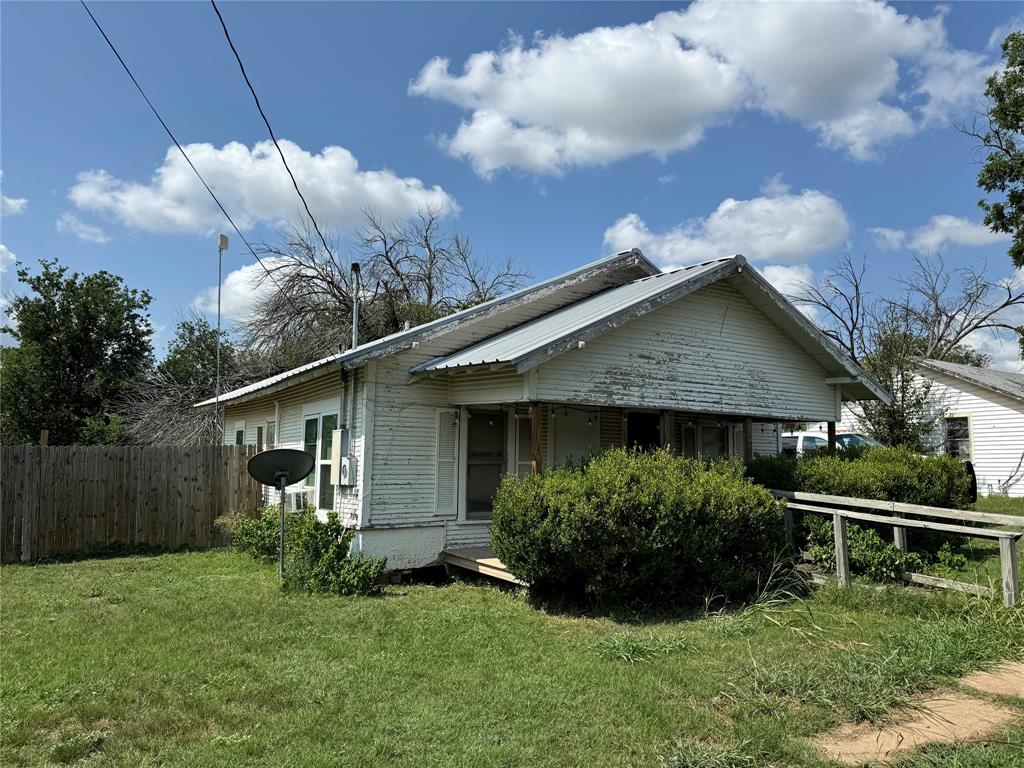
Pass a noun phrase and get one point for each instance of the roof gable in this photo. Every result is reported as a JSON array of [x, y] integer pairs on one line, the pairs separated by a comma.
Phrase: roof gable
[[617, 269], [1002, 382], [534, 343]]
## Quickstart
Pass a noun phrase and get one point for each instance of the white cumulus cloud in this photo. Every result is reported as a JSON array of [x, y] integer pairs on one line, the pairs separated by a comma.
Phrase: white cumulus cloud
[[859, 73], [241, 291], [11, 205], [254, 187], [888, 239], [780, 228], [7, 258], [71, 224], [943, 229]]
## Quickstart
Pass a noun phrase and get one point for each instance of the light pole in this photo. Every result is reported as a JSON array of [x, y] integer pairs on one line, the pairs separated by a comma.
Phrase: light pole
[[222, 245]]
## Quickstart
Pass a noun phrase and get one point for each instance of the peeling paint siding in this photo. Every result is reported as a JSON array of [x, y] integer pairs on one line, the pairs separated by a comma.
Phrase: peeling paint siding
[[505, 386], [710, 352], [996, 426], [404, 442]]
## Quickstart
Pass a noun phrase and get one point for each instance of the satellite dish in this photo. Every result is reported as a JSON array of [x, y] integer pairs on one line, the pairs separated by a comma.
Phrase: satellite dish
[[280, 467], [270, 467]]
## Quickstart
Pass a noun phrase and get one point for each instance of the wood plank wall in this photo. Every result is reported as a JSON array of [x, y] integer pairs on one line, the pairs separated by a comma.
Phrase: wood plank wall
[[69, 500]]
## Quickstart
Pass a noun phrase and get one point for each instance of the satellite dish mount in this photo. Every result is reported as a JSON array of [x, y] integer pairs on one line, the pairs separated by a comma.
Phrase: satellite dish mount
[[280, 468]]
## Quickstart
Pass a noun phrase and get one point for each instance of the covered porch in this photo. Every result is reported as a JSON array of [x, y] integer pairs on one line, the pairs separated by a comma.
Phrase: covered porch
[[491, 440]]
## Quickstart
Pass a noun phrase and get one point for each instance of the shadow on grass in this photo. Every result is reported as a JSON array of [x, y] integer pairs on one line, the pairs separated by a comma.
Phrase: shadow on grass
[[111, 552]]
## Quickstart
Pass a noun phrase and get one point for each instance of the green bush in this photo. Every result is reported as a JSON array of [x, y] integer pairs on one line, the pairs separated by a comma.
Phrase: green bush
[[886, 474], [627, 527], [317, 555], [317, 558], [256, 536]]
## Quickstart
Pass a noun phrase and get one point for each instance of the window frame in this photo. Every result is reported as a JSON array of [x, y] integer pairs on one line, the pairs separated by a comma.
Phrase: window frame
[[319, 462], [970, 435]]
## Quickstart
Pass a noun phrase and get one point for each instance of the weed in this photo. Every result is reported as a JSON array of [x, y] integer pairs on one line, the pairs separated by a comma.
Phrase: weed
[[639, 647]]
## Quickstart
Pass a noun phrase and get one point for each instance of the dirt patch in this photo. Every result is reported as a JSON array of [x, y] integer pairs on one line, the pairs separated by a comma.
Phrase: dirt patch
[[1007, 679], [946, 718]]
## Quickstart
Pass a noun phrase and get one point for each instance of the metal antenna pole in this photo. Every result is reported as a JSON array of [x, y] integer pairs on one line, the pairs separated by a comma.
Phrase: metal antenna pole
[[222, 244], [280, 554]]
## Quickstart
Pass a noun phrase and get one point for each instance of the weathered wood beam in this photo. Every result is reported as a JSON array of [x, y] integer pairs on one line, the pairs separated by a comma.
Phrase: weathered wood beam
[[1008, 566], [536, 447], [842, 550], [831, 435]]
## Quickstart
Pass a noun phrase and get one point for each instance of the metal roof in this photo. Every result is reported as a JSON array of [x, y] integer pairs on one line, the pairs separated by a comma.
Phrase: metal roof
[[1003, 382], [395, 342], [516, 345]]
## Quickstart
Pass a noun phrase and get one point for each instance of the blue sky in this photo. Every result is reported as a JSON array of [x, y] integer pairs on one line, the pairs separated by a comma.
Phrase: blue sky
[[789, 133]]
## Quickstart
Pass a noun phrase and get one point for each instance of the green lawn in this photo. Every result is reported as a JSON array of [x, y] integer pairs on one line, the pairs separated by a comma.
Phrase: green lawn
[[983, 554], [199, 660]]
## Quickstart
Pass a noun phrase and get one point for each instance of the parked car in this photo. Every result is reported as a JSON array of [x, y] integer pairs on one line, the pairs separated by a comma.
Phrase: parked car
[[855, 440], [801, 443]]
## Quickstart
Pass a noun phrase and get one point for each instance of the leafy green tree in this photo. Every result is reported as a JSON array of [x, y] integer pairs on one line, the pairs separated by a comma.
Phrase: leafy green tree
[[160, 410], [1003, 170], [82, 342]]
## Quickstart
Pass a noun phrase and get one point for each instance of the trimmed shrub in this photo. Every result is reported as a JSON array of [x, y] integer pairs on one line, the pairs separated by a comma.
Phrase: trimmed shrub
[[887, 474], [627, 527]]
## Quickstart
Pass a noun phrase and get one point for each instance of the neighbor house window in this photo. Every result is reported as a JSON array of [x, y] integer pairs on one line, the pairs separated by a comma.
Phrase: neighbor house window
[[958, 437], [239, 433], [485, 461], [271, 435]]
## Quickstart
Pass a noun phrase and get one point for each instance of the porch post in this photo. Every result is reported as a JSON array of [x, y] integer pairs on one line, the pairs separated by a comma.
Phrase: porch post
[[748, 440], [831, 435], [536, 448]]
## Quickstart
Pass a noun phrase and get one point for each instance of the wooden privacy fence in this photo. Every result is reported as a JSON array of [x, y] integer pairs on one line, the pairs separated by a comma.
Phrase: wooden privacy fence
[[58, 501], [903, 516]]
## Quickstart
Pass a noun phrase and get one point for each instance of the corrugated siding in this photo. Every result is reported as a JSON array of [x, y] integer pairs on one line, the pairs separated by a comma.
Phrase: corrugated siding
[[997, 431], [505, 386], [710, 352]]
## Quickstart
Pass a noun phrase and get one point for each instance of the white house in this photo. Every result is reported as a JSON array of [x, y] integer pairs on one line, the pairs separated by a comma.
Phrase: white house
[[412, 432], [982, 421]]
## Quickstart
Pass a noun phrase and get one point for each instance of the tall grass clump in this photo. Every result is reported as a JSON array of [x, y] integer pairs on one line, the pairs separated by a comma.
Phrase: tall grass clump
[[639, 529]]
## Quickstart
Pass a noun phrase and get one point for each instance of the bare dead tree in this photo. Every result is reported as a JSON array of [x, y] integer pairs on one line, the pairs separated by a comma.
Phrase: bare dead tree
[[412, 272], [944, 307], [841, 297]]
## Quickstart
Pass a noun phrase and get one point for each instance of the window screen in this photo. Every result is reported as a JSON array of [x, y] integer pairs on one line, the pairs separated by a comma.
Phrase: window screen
[[958, 437]]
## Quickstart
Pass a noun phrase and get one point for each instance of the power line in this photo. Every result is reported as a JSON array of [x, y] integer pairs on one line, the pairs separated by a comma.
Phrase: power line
[[178, 145], [266, 121]]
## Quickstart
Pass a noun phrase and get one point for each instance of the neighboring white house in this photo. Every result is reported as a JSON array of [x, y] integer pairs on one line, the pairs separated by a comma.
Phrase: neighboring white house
[[706, 359], [982, 421]]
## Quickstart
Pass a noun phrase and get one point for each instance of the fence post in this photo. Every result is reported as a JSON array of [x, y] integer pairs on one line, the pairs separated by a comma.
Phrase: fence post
[[899, 535], [842, 550], [787, 521], [1008, 565]]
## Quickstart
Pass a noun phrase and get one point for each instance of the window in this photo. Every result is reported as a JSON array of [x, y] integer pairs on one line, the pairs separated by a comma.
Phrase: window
[[239, 433], [813, 444], [259, 438], [317, 438], [958, 437], [485, 461], [643, 430], [714, 441], [271, 435], [789, 445]]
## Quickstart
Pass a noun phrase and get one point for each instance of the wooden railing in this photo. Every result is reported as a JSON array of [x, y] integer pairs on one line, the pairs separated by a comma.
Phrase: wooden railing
[[905, 516]]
